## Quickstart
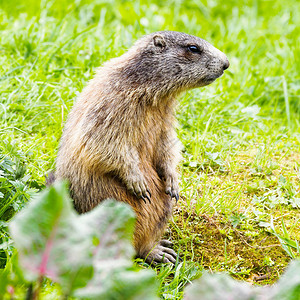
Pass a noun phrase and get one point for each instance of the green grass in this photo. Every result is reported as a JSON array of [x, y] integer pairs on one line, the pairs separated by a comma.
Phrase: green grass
[[241, 159]]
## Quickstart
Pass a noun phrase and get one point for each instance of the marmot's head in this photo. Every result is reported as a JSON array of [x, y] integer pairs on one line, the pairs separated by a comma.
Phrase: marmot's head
[[175, 61]]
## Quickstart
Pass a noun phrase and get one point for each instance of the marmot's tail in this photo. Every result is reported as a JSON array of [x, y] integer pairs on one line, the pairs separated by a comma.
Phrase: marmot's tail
[[50, 178]]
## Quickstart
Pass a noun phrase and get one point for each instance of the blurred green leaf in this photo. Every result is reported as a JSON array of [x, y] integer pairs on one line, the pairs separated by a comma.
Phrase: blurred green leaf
[[92, 251], [219, 286], [288, 285], [222, 286], [51, 241]]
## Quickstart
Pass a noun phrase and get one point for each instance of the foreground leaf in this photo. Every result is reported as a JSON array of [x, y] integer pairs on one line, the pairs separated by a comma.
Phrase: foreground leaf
[[114, 276], [92, 250], [288, 285], [222, 286], [52, 241], [218, 286]]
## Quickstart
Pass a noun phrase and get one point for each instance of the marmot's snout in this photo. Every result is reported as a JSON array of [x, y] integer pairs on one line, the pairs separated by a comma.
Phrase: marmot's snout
[[216, 56], [217, 62], [226, 64]]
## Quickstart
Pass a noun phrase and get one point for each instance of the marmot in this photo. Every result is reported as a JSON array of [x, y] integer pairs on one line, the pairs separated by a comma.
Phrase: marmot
[[119, 141]]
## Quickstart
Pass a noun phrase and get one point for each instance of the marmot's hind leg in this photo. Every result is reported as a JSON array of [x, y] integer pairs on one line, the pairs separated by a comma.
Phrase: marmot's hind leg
[[161, 253], [152, 219], [50, 178]]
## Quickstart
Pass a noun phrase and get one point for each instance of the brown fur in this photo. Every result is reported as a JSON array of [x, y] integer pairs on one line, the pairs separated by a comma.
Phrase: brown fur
[[119, 138]]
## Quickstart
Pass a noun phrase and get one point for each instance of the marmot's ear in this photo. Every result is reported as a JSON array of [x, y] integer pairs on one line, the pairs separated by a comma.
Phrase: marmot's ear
[[159, 41]]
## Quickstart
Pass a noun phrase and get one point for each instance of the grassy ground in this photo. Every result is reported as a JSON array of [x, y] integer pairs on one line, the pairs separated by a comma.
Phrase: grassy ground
[[240, 171]]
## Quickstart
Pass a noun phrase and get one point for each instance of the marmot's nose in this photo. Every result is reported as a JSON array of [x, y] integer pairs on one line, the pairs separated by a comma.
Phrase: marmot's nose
[[226, 64]]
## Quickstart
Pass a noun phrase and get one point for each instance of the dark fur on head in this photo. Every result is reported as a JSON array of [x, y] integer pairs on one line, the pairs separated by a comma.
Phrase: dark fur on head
[[164, 62]]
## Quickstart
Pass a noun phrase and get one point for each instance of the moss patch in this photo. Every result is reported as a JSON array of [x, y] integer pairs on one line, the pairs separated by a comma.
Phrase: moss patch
[[217, 246]]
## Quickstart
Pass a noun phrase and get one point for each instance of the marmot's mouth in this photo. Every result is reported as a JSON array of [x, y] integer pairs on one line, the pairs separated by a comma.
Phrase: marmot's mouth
[[210, 79]]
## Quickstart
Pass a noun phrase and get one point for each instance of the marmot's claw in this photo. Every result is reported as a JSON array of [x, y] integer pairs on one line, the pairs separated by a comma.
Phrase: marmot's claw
[[146, 196], [139, 189], [144, 199], [173, 194], [166, 243], [149, 193], [143, 196], [168, 192]]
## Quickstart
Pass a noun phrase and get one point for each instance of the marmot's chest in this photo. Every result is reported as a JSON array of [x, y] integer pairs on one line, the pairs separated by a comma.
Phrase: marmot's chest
[[152, 134]]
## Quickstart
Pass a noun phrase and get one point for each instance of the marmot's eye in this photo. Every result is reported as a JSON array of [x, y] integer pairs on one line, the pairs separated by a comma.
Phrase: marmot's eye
[[194, 49]]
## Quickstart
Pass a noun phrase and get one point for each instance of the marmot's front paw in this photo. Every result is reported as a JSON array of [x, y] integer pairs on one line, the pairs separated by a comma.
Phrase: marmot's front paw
[[138, 187], [172, 187]]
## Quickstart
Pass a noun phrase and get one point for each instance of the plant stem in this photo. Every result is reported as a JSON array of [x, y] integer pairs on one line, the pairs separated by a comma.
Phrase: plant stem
[[29, 293]]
